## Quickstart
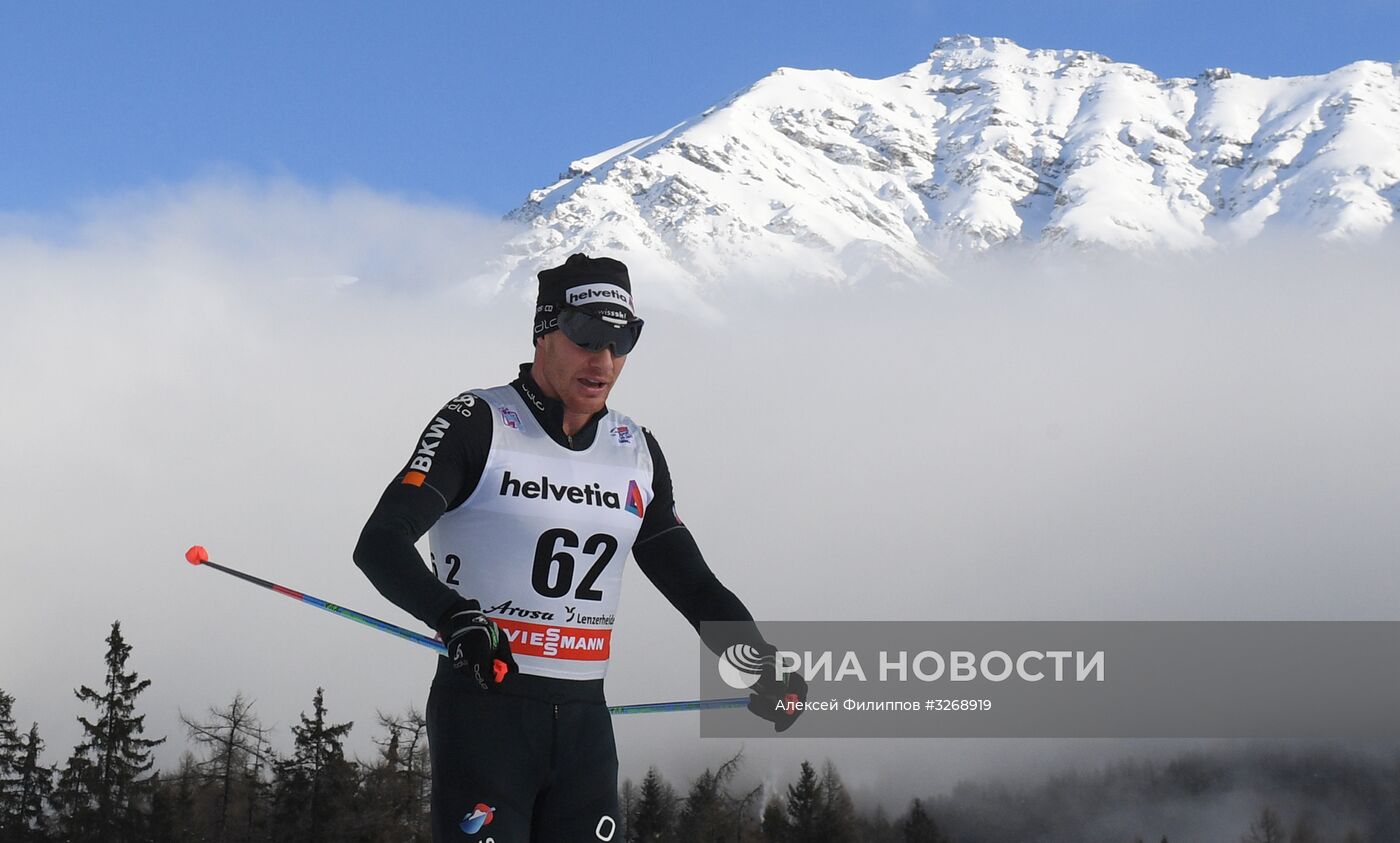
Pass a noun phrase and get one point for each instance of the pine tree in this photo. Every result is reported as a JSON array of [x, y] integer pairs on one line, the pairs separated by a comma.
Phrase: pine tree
[[394, 798], [775, 825], [627, 806], [747, 819], [836, 815], [919, 827], [1267, 829], [27, 789], [804, 808], [169, 820], [877, 828], [258, 818], [72, 799], [233, 737], [380, 798], [654, 820], [180, 795], [9, 756], [314, 796], [418, 775], [99, 789], [709, 812], [702, 814]]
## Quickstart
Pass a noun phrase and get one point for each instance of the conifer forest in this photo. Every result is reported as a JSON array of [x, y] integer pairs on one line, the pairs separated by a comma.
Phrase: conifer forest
[[232, 786]]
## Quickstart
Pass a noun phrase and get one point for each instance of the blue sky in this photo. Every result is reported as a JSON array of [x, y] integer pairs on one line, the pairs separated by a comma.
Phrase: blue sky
[[473, 104]]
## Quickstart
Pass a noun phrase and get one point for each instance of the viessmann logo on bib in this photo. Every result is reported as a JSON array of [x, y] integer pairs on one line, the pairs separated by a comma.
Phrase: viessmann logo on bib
[[591, 495], [556, 642]]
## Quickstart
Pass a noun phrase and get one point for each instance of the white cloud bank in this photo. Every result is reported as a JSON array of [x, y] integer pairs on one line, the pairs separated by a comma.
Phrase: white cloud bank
[[1068, 438]]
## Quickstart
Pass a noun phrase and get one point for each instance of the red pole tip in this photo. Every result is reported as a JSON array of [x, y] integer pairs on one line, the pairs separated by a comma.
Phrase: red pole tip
[[196, 555]]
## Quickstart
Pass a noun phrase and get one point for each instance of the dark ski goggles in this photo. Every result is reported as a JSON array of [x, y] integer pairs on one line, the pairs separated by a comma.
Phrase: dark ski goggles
[[595, 333]]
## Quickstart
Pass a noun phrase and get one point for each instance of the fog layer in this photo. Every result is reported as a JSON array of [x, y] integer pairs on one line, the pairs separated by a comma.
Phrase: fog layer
[[1038, 437]]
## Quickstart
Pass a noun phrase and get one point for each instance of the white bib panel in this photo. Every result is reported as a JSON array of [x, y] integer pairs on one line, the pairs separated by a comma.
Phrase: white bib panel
[[542, 539]]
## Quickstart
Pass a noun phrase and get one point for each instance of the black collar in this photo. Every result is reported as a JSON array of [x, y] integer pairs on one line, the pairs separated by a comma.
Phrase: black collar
[[549, 412]]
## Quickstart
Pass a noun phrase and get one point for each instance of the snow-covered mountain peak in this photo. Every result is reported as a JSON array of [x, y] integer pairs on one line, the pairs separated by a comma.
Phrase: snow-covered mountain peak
[[969, 52], [820, 174]]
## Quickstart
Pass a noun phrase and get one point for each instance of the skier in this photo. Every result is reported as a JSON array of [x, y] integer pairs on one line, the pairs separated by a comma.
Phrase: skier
[[532, 494]]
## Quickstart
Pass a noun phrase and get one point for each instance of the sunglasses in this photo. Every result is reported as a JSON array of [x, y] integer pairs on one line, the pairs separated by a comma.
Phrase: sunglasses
[[595, 334]]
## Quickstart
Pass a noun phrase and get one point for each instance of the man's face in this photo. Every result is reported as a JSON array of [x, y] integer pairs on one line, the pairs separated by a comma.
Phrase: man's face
[[580, 378]]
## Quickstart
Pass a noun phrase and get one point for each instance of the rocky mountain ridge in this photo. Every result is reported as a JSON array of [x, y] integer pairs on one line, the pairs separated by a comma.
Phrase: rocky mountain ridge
[[820, 174]]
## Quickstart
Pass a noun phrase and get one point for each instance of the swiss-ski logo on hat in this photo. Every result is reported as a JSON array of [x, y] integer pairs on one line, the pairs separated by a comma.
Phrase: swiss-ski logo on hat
[[598, 294]]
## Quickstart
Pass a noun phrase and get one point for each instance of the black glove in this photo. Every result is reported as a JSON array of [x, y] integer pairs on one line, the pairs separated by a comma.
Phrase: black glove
[[475, 645], [777, 700]]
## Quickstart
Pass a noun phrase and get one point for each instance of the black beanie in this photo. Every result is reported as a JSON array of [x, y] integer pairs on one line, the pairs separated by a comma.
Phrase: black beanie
[[597, 285]]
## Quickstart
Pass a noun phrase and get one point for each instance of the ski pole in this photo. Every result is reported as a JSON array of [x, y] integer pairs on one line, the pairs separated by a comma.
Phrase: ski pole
[[197, 555], [680, 705]]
